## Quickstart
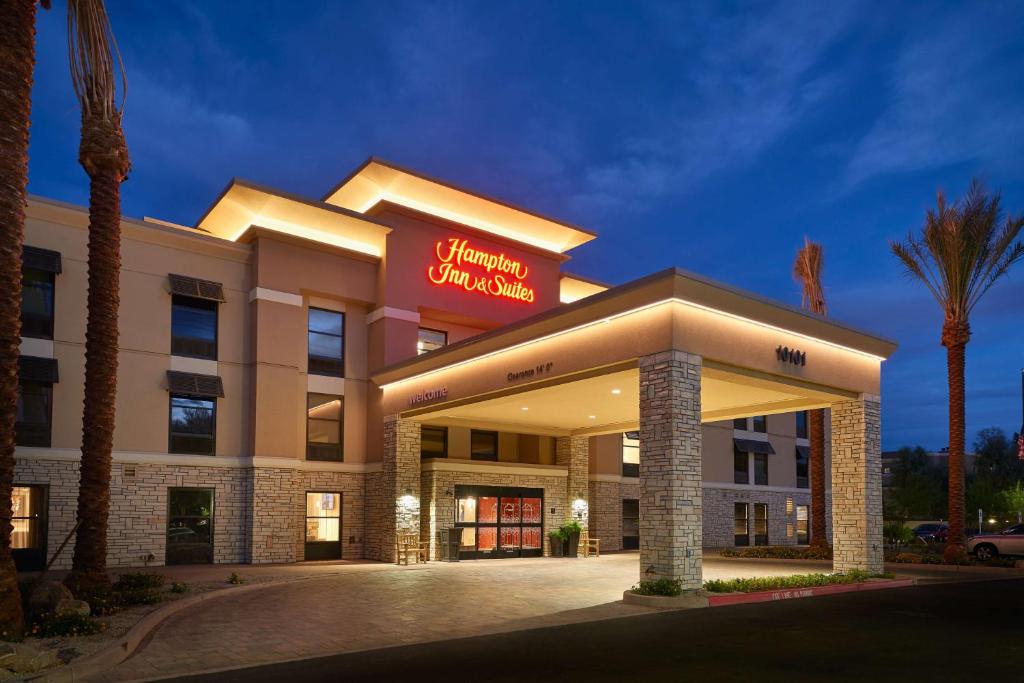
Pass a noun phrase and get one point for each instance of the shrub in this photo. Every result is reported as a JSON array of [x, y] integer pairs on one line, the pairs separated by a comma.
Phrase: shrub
[[897, 533], [767, 583], [666, 587], [66, 625], [139, 588], [235, 579], [903, 558], [179, 587], [781, 552]]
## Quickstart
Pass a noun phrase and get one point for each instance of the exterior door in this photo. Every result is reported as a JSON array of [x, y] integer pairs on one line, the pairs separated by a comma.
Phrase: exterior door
[[630, 524], [28, 535], [499, 522], [323, 525], [189, 526]]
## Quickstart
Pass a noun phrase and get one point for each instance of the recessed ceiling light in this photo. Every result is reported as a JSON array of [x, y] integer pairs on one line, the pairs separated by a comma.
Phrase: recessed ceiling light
[[616, 391], [592, 417], [525, 408]]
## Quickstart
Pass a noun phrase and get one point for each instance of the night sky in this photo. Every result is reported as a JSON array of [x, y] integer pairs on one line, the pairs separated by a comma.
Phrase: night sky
[[710, 140]]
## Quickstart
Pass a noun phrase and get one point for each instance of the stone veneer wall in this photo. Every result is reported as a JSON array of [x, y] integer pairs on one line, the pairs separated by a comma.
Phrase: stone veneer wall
[[400, 472], [606, 514], [857, 484], [435, 497], [573, 453]]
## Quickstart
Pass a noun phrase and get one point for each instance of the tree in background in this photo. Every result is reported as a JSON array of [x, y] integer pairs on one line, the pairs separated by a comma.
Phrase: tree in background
[[95, 66], [963, 249], [916, 488]]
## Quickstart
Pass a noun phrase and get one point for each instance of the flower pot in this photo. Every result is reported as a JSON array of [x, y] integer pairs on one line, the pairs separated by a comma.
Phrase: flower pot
[[572, 545], [557, 548]]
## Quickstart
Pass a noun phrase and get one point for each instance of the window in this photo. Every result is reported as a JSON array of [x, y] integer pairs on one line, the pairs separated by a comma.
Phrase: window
[[32, 421], [433, 442], [761, 469], [189, 526], [760, 423], [430, 340], [631, 454], [325, 427], [740, 423], [760, 524], [740, 466], [802, 468], [802, 532], [37, 303], [483, 445], [741, 524], [193, 327], [326, 343], [323, 525], [193, 425], [801, 424]]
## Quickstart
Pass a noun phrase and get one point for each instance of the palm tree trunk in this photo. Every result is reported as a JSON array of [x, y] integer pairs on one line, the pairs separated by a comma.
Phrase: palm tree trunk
[[17, 61], [816, 432], [955, 362]]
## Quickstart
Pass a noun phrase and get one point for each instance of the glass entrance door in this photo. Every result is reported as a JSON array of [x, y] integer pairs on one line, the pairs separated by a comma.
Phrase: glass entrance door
[[499, 522], [28, 522], [189, 526], [323, 525]]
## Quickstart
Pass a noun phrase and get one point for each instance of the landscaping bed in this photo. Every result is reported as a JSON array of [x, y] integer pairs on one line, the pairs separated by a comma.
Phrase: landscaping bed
[[931, 554], [770, 583]]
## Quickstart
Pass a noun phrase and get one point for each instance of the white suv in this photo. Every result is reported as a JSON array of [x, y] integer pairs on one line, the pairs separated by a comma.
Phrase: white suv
[[1006, 542]]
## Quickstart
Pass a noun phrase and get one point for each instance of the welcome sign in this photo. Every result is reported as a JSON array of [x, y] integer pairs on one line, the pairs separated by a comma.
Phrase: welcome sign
[[459, 264]]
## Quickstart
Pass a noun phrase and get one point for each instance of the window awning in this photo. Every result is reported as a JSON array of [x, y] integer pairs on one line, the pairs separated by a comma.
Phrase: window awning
[[196, 288], [753, 446], [41, 259], [35, 369], [205, 386], [803, 451]]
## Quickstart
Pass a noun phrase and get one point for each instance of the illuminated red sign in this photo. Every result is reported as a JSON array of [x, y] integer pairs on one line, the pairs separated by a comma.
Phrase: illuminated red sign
[[475, 270]]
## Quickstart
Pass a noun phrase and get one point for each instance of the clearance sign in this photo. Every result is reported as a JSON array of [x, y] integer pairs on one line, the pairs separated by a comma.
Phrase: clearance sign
[[459, 264]]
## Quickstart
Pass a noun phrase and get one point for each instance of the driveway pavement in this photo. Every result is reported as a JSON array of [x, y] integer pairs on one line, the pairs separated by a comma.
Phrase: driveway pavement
[[366, 606]]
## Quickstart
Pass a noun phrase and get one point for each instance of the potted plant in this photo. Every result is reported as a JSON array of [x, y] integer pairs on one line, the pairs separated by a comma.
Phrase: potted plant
[[570, 532], [557, 544]]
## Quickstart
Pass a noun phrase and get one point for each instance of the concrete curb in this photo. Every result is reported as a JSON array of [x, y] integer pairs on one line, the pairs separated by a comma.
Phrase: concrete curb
[[793, 593], [124, 647], [688, 600]]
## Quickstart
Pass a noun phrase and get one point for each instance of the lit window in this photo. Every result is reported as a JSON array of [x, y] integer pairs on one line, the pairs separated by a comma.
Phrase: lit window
[[326, 343], [631, 454], [802, 535], [323, 517], [324, 427], [760, 524], [430, 340], [741, 524]]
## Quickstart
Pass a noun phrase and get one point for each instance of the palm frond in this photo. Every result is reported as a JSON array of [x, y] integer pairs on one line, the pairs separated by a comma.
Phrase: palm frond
[[96, 64], [810, 261]]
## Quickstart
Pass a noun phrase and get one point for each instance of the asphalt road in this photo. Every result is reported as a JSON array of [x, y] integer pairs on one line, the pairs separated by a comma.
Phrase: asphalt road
[[945, 632]]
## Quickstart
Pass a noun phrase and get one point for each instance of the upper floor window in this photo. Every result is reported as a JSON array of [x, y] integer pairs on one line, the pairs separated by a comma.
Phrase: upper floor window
[[326, 342], [801, 424], [740, 466], [39, 268], [761, 469], [760, 423], [483, 445], [325, 427], [193, 327], [802, 468], [34, 412], [631, 454], [740, 423], [433, 442], [193, 425], [430, 340]]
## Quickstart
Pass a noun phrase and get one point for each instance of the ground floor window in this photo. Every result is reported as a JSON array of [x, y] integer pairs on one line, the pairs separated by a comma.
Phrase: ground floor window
[[741, 524], [760, 524], [803, 536], [499, 522], [630, 524], [323, 525], [28, 533], [189, 526]]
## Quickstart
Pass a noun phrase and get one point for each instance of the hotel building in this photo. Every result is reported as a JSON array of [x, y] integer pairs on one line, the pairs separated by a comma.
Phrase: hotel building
[[305, 379]]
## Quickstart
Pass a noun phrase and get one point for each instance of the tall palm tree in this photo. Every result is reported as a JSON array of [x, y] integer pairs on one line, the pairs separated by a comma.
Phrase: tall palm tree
[[96, 69], [963, 249], [17, 63], [807, 270]]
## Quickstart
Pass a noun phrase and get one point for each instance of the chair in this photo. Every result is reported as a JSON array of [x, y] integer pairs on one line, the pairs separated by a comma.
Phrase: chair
[[589, 545], [409, 545]]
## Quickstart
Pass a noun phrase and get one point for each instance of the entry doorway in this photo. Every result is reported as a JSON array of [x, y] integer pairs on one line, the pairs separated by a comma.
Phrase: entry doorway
[[499, 522], [323, 525], [189, 526], [28, 533], [630, 524]]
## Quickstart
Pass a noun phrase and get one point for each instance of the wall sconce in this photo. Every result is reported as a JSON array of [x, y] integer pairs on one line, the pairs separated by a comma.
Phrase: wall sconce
[[579, 508]]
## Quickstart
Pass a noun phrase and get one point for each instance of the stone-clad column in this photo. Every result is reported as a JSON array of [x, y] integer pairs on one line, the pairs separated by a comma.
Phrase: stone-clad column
[[857, 485], [399, 507], [573, 452], [670, 468]]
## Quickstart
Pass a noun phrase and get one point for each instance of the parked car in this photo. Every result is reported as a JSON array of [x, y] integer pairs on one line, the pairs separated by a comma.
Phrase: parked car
[[932, 532], [1007, 542]]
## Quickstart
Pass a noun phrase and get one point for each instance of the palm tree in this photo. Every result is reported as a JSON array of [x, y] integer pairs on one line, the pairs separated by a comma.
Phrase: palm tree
[[963, 249], [17, 63], [807, 270], [95, 64]]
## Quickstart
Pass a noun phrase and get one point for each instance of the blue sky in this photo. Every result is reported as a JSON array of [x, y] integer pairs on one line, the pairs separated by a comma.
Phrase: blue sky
[[711, 138]]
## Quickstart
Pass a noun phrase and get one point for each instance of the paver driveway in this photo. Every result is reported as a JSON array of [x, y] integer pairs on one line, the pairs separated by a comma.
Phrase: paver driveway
[[379, 605]]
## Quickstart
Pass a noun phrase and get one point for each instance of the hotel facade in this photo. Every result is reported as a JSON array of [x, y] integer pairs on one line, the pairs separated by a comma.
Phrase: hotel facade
[[306, 380]]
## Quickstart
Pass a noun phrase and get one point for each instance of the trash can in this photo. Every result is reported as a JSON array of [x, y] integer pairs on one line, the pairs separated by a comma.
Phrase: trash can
[[450, 540]]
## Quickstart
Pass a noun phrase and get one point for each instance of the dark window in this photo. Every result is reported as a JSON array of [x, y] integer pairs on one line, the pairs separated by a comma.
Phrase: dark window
[[741, 524], [630, 524], [325, 427], [802, 469], [326, 343], [35, 407], [740, 466], [433, 442], [193, 425], [193, 327], [760, 423], [801, 424], [37, 303], [631, 454], [802, 532], [760, 524], [189, 526], [761, 469], [483, 445], [430, 340], [740, 423]]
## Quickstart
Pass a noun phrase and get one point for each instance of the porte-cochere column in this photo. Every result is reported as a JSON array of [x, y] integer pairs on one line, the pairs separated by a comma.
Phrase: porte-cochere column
[[670, 468], [857, 485], [394, 492], [573, 453]]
